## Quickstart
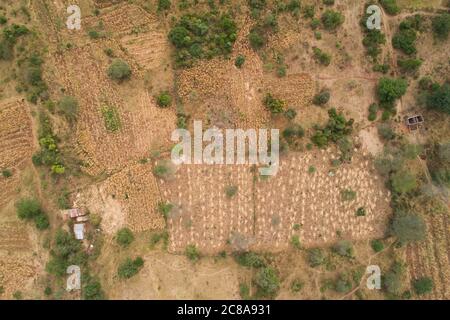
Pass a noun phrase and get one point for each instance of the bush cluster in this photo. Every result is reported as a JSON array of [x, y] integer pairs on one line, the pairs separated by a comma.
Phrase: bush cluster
[[200, 36]]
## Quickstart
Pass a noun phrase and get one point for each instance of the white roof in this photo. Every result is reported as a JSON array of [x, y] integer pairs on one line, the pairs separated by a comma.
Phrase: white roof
[[78, 229]]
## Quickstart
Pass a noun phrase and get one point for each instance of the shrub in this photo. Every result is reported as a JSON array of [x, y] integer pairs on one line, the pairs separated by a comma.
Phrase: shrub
[[373, 109], [393, 280], [315, 23], [164, 99], [377, 245], [267, 282], [244, 291], [344, 248], [343, 284], [41, 221], [6, 173], [321, 98], [202, 36], [308, 11], [257, 38], [409, 65], [163, 170], [408, 227], [383, 68], [293, 132], [297, 285], [274, 105], [373, 39], [94, 34], [3, 20], [192, 253], [404, 40], [92, 290], [68, 106], [337, 128], [295, 241], [250, 260], [257, 4], [316, 257], [328, 2], [164, 5], [390, 6], [124, 237], [322, 57], [332, 19], [129, 267], [239, 61], [165, 208], [290, 114], [360, 212], [109, 52], [28, 208], [231, 191], [111, 117], [423, 285], [119, 70], [403, 182], [385, 131], [441, 26]]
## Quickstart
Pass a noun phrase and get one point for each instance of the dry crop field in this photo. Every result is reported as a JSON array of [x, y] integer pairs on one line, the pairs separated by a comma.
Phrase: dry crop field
[[432, 256], [263, 213], [16, 145]]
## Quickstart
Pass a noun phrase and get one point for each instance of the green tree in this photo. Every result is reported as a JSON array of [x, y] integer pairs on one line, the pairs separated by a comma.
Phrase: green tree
[[267, 282], [274, 105], [423, 285], [332, 19], [390, 89], [408, 227], [119, 70], [441, 26], [439, 98]]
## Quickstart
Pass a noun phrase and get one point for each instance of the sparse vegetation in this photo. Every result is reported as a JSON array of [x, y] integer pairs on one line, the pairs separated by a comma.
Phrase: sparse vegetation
[[124, 237], [192, 253], [322, 57]]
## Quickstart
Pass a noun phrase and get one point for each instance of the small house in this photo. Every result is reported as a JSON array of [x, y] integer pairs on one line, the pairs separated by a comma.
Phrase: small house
[[78, 229], [414, 122], [74, 213]]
